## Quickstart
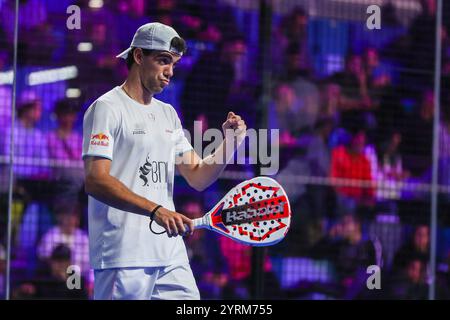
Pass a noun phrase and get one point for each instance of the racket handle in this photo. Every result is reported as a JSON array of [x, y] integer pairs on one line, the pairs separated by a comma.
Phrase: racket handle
[[200, 223]]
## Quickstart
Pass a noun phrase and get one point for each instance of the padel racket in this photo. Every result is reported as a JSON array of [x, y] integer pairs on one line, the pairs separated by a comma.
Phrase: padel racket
[[255, 212]]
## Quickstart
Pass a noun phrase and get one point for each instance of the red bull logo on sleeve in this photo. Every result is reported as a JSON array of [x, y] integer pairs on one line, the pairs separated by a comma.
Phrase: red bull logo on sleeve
[[100, 139]]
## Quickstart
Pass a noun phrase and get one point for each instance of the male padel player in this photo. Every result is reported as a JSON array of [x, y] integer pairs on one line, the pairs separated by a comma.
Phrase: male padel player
[[131, 144]]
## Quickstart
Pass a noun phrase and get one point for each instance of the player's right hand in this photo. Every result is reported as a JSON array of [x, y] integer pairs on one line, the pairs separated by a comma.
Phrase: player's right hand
[[173, 222]]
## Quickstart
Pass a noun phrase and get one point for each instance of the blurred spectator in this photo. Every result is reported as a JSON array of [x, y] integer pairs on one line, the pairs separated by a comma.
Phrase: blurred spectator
[[422, 49], [390, 172], [30, 144], [389, 17], [217, 82], [292, 35], [104, 47], [378, 77], [5, 91], [318, 151], [443, 279], [37, 40], [318, 155], [417, 136], [133, 8], [354, 83], [164, 11], [238, 258], [208, 264], [283, 114], [31, 219], [411, 269], [410, 284], [65, 144], [304, 152], [390, 116], [306, 103], [94, 49], [446, 50], [4, 57], [209, 21], [2, 271], [130, 15], [387, 228], [350, 162], [355, 102], [67, 232], [351, 253], [444, 144], [5, 45], [64, 141], [52, 283], [330, 95], [34, 10], [316, 203], [194, 25], [417, 248]]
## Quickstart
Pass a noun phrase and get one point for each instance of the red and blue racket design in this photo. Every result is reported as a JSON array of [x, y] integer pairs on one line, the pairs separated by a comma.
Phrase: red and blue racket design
[[255, 212]]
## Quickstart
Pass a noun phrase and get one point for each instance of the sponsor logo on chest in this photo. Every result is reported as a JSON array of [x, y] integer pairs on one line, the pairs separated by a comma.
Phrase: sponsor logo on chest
[[153, 171], [139, 131]]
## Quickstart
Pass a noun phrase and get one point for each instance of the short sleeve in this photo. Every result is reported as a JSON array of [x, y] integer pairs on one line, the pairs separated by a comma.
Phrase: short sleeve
[[182, 144], [99, 129]]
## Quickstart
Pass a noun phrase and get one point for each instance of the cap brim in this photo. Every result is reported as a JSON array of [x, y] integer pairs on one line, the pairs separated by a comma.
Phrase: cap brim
[[124, 54]]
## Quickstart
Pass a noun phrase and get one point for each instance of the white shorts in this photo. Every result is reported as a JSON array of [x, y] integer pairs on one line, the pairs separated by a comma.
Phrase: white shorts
[[174, 282]]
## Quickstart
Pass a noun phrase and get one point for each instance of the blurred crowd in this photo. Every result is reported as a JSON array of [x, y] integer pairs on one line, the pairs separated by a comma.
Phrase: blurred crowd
[[359, 116]]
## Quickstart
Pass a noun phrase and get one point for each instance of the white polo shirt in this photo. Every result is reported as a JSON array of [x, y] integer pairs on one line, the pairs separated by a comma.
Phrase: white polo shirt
[[141, 141]]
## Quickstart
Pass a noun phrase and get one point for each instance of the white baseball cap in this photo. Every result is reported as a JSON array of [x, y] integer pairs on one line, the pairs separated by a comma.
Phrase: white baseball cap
[[153, 36]]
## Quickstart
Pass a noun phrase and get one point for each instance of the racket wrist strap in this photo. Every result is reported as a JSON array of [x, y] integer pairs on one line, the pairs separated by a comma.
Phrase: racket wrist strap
[[152, 213]]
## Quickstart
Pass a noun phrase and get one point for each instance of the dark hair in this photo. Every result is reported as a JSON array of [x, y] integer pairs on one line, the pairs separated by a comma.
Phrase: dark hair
[[130, 58], [25, 107], [66, 207], [61, 253], [66, 106], [289, 20], [178, 43]]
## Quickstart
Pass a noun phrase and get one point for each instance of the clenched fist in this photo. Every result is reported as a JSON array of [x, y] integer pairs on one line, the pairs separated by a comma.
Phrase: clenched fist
[[235, 123]]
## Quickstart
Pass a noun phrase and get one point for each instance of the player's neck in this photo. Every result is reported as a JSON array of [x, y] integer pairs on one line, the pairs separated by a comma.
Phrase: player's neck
[[134, 89]]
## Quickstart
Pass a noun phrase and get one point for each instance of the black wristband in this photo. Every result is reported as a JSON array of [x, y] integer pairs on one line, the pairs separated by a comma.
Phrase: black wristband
[[152, 214]]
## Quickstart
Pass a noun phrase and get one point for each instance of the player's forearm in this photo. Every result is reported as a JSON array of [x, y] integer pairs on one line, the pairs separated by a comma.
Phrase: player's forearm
[[210, 168], [114, 193]]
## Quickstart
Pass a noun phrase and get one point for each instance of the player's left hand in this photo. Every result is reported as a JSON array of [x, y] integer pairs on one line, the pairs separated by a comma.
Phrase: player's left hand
[[235, 123]]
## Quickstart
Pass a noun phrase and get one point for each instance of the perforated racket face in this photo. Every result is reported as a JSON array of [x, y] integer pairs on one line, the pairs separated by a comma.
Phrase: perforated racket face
[[255, 212]]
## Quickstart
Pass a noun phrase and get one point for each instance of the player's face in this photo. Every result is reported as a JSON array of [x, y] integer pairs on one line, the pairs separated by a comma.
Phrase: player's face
[[156, 70]]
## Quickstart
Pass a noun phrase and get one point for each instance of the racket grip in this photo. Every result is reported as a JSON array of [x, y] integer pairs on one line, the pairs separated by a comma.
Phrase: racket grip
[[199, 223]]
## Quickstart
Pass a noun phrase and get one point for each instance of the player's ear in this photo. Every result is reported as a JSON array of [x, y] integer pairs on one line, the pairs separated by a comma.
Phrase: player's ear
[[138, 55]]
